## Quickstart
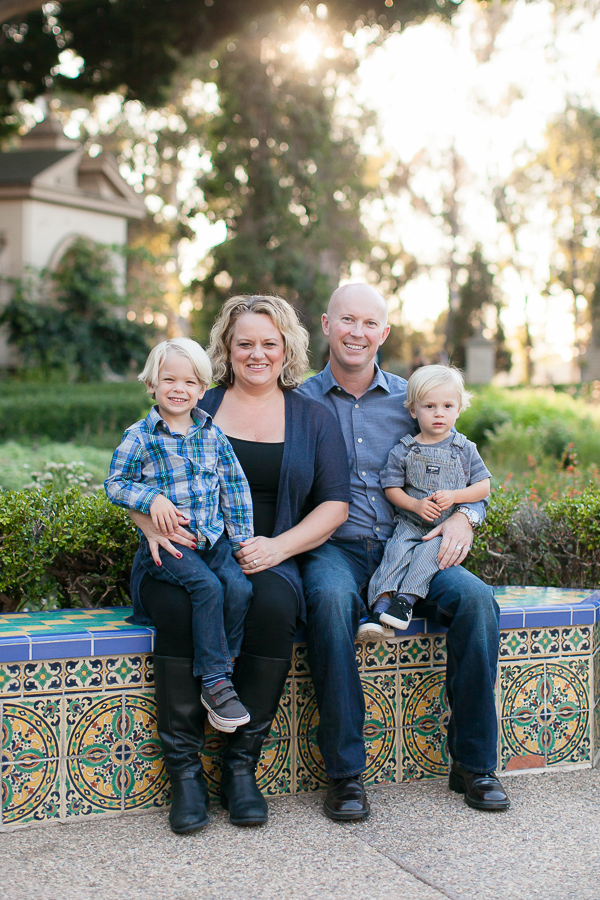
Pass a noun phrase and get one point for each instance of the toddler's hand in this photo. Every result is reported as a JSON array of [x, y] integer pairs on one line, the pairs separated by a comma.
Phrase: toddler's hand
[[164, 514], [428, 510], [444, 499]]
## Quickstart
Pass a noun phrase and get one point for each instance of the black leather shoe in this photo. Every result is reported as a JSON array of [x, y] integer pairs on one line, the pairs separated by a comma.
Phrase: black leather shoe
[[346, 800], [481, 791]]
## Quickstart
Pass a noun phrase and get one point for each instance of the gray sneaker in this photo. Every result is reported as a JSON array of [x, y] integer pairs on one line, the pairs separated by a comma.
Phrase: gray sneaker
[[374, 630], [225, 712]]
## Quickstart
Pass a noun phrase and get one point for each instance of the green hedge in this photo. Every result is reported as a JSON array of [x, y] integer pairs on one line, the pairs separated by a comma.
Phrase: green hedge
[[87, 413], [553, 545], [59, 550]]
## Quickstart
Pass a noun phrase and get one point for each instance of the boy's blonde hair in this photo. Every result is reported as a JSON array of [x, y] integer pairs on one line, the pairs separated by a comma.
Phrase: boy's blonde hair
[[183, 347], [427, 378]]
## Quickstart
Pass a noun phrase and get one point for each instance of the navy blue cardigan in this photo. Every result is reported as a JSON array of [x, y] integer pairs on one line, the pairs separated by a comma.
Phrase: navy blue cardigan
[[314, 468]]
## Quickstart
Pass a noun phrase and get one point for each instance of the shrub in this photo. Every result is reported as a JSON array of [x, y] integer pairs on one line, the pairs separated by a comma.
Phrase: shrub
[[95, 414], [555, 545], [59, 550]]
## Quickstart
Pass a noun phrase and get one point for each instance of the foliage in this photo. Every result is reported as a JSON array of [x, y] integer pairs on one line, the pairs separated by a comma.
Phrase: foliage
[[556, 545], [96, 414], [61, 477], [68, 320], [134, 46], [285, 178], [59, 550]]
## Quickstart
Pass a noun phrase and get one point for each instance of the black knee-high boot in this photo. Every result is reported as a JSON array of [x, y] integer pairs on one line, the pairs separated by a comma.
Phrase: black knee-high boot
[[259, 682], [180, 724]]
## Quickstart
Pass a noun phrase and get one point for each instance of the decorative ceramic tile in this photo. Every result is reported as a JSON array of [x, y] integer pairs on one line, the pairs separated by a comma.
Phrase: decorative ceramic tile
[[545, 711], [416, 651], [283, 723], [43, 677], [214, 743], [83, 675], [514, 644], [438, 650], [300, 661], [382, 762], [10, 678], [122, 671], [380, 702], [380, 655], [30, 760], [148, 668], [359, 653], [274, 771], [144, 778], [596, 636], [575, 639], [93, 784], [545, 642], [596, 733], [596, 676], [425, 715], [310, 769]]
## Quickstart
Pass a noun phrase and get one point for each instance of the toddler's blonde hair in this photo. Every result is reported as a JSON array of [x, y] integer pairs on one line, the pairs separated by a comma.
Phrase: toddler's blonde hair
[[427, 378]]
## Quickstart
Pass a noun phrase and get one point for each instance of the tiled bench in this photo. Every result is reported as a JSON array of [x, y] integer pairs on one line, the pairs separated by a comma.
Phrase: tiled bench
[[77, 707]]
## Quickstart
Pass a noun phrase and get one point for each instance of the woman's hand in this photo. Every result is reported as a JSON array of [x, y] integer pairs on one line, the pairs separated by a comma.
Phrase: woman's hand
[[156, 539], [258, 554]]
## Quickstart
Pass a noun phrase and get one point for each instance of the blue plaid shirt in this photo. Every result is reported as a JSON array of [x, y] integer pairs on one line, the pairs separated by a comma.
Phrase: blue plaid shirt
[[198, 472]]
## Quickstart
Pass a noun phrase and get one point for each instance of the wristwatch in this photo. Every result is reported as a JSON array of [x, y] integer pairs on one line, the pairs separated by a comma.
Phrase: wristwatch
[[472, 516]]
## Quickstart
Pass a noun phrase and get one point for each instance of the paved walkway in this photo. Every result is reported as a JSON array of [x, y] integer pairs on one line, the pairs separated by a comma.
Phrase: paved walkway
[[420, 843]]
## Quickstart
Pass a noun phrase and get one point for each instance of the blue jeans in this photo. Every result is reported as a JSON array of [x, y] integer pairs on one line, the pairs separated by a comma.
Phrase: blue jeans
[[220, 596], [335, 577]]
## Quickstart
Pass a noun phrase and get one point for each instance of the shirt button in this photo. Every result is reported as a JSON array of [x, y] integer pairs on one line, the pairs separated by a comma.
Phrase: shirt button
[[373, 499], [377, 528], [339, 388], [360, 440], [356, 406], [363, 474]]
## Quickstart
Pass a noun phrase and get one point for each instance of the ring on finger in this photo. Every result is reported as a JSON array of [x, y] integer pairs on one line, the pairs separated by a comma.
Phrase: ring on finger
[[254, 563], [459, 547]]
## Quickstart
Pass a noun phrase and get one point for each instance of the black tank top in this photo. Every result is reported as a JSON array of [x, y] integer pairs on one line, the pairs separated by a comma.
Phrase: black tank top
[[262, 466]]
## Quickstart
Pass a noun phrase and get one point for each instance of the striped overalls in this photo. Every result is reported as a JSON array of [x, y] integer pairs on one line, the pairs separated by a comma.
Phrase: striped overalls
[[409, 563]]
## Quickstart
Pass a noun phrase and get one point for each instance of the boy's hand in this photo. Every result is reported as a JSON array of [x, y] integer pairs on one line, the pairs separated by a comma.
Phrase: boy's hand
[[164, 514], [444, 499], [427, 509]]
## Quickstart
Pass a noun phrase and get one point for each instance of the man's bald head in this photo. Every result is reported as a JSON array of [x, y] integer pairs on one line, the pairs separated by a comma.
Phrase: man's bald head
[[357, 293]]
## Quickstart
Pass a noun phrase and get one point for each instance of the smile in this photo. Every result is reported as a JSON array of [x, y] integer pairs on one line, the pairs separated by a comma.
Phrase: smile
[[355, 346]]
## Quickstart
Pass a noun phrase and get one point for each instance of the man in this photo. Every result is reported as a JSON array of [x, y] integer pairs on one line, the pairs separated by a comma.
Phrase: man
[[369, 404]]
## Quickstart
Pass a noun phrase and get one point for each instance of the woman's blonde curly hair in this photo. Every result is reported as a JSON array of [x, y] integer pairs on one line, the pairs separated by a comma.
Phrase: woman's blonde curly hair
[[284, 317]]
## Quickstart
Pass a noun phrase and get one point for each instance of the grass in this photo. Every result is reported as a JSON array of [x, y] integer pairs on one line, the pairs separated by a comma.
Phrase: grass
[[18, 461]]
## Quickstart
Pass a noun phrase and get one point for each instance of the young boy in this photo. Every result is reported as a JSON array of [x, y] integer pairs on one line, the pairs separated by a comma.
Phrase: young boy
[[176, 461], [424, 478]]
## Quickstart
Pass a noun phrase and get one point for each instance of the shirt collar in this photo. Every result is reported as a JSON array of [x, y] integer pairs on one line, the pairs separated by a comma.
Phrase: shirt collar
[[154, 418], [328, 382]]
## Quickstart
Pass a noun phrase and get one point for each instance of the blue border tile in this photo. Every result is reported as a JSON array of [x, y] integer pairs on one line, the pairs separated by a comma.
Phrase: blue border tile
[[511, 617], [57, 648], [536, 617], [584, 614], [14, 649], [123, 642]]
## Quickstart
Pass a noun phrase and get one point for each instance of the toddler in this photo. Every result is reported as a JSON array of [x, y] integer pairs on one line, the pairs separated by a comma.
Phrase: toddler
[[178, 466], [425, 476]]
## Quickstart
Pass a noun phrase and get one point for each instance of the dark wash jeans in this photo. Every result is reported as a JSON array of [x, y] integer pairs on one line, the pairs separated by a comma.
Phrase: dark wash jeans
[[335, 577], [220, 595]]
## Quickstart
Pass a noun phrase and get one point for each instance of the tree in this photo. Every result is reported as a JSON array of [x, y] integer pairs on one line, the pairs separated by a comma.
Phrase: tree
[[285, 178], [68, 321], [136, 47], [476, 311]]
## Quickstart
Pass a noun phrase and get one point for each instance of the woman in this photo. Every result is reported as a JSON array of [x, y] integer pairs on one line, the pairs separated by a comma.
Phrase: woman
[[293, 453]]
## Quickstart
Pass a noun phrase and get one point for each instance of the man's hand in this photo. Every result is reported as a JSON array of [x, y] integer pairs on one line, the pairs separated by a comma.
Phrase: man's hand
[[165, 515], [155, 539], [457, 535], [444, 499], [428, 509]]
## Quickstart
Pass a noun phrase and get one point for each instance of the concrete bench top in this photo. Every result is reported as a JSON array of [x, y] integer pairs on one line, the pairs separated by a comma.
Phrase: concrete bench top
[[68, 633]]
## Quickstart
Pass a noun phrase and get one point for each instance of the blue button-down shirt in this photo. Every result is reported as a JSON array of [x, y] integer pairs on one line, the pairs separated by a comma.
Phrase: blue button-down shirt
[[198, 472], [372, 425]]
